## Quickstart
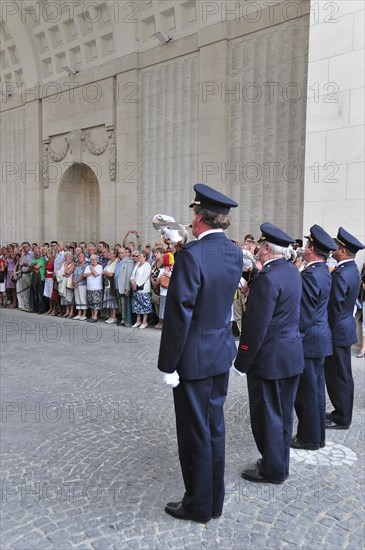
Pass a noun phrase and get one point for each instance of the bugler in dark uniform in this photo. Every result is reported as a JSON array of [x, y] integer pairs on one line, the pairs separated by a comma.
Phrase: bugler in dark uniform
[[197, 348], [310, 402], [271, 353], [344, 291]]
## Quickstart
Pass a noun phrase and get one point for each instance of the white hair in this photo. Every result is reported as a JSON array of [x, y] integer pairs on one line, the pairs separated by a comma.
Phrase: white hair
[[279, 250]]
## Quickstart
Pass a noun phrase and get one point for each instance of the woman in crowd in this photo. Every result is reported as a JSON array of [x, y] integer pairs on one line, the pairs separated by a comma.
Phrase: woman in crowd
[[141, 285], [110, 299], [10, 284], [164, 281], [156, 267], [93, 274], [48, 284], [68, 299], [2, 279], [80, 286]]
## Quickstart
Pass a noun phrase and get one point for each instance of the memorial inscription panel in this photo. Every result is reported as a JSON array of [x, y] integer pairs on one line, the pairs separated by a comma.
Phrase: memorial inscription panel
[[267, 127], [13, 161], [168, 140]]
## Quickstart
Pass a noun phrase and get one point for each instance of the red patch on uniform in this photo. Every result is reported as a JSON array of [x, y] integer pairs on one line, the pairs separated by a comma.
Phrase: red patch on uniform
[[244, 347]]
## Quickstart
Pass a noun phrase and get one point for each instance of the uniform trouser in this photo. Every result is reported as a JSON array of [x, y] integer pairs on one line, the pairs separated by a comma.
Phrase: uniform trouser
[[124, 306], [340, 384], [201, 442], [24, 288], [310, 402], [37, 298], [271, 412]]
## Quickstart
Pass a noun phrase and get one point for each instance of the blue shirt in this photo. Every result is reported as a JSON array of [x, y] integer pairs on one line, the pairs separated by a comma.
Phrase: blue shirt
[[118, 267]]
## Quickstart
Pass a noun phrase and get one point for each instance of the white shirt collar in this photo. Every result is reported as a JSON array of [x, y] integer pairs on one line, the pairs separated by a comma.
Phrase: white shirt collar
[[209, 232], [314, 262], [344, 262], [272, 260]]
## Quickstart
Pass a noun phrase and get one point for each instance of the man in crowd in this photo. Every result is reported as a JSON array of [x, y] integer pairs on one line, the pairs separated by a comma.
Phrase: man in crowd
[[344, 291], [123, 286], [310, 402], [271, 354], [131, 244], [196, 352], [24, 282], [240, 298], [60, 255], [91, 249], [38, 274], [104, 255]]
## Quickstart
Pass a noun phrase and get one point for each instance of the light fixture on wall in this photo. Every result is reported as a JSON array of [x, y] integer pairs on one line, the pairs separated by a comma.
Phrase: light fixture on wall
[[162, 37], [70, 70]]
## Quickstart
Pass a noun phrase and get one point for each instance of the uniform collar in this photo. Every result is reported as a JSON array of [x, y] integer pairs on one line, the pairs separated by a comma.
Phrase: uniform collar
[[344, 262], [272, 260], [315, 262], [209, 232]]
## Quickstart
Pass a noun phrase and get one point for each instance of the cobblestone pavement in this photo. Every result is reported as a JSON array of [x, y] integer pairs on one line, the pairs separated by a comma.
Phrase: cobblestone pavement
[[89, 455]]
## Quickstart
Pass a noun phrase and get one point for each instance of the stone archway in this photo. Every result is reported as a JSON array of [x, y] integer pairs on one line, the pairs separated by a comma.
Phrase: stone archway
[[78, 201]]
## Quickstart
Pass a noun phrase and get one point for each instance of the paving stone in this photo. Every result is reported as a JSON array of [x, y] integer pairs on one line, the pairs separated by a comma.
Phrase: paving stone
[[112, 457]]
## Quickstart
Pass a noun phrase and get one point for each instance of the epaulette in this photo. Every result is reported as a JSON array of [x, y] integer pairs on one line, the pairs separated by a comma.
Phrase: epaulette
[[190, 244]]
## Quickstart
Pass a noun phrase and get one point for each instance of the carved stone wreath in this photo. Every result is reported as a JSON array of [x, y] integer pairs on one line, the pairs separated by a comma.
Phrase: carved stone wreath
[[92, 147]]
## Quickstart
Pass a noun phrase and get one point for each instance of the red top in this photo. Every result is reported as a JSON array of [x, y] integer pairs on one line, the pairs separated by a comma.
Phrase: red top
[[49, 269]]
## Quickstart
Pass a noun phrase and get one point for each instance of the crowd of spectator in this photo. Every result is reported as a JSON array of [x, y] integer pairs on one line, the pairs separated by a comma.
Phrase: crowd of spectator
[[124, 284], [118, 284]]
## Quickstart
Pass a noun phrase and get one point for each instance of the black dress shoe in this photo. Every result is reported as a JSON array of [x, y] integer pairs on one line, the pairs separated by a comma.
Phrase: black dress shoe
[[328, 416], [177, 510], [254, 475], [259, 465], [330, 425], [296, 443]]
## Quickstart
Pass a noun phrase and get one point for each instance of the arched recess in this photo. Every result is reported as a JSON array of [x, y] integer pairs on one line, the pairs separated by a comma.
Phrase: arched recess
[[78, 200]]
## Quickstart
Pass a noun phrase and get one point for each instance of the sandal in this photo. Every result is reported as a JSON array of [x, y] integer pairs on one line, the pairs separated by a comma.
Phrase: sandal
[[360, 354]]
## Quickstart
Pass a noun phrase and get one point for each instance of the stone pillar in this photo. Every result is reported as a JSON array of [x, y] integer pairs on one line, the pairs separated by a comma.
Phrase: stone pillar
[[212, 141], [128, 170], [334, 178], [32, 175]]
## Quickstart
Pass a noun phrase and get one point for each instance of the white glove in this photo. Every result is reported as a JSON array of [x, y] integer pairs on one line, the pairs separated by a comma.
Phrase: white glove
[[238, 372], [172, 379]]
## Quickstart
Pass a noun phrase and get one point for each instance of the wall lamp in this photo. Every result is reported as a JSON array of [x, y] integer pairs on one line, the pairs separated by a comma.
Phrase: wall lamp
[[70, 70], [162, 37]]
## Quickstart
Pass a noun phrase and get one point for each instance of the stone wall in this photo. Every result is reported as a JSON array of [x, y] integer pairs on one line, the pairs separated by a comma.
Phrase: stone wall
[[13, 177], [221, 103], [334, 192]]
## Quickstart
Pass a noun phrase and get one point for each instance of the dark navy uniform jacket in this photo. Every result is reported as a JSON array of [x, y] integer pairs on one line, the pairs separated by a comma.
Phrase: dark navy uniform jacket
[[313, 325], [271, 346], [197, 338], [344, 290]]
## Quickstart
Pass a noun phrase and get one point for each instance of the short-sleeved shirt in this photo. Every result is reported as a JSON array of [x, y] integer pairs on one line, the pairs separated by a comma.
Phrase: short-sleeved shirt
[[94, 283]]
